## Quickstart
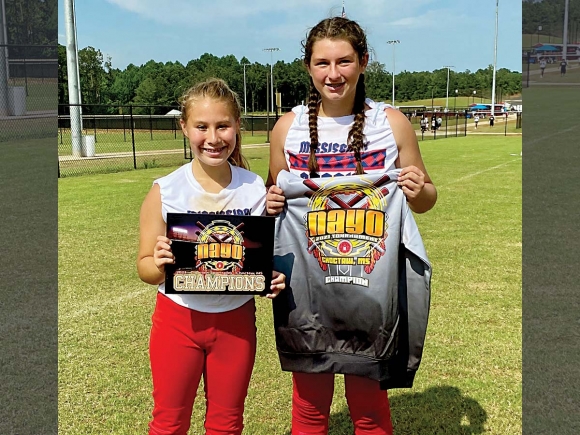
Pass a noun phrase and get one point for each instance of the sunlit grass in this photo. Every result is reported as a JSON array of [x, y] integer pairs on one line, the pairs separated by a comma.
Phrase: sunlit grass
[[470, 377]]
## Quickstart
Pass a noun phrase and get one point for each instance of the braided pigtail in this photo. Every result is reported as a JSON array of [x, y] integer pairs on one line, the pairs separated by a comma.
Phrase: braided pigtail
[[356, 138], [313, 127]]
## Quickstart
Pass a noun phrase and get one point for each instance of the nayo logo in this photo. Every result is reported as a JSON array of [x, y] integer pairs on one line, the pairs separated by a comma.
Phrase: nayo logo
[[220, 248]]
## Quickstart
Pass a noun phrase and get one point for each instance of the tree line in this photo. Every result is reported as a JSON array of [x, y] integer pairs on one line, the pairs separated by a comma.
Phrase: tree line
[[162, 84], [549, 15], [31, 28]]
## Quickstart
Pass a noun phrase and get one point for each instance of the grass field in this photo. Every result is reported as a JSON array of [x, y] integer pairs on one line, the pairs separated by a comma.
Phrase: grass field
[[470, 376], [551, 348], [529, 40], [552, 74], [28, 344], [41, 95]]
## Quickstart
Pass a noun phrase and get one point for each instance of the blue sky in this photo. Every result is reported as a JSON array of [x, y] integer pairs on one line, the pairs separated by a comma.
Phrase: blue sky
[[432, 33]]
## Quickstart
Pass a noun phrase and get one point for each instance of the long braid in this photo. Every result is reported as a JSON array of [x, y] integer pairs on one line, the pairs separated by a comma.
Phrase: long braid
[[313, 99], [356, 137]]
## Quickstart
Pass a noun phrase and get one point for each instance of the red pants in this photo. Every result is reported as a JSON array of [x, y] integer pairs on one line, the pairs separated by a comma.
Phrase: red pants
[[186, 344], [312, 395]]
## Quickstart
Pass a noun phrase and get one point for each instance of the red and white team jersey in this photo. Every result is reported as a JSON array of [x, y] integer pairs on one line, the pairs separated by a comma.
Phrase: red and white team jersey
[[333, 156]]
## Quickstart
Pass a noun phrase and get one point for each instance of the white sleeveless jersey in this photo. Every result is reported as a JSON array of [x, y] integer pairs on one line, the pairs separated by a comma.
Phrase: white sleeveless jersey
[[332, 154], [181, 193]]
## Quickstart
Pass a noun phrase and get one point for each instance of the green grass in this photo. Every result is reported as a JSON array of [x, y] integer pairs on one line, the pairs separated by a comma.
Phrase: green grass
[[552, 73], [41, 94], [529, 40], [440, 101], [552, 245], [29, 335], [470, 376]]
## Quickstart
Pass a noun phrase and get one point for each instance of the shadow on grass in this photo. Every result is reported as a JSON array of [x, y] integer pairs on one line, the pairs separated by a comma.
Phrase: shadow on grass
[[435, 411]]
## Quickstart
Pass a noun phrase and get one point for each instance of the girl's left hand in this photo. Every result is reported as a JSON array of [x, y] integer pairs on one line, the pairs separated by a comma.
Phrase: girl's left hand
[[411, 180], [278, 284]]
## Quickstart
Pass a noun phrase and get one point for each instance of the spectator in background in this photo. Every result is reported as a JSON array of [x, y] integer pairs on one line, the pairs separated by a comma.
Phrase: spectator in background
[[563, 65], [476, 119], [423, 124], [542, 66], [491, 120]]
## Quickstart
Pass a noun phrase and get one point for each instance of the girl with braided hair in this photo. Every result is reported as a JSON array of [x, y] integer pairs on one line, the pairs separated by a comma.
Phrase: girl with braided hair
[[341, 132]]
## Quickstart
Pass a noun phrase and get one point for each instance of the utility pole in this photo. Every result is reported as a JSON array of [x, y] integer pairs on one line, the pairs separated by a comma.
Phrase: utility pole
[[271, 50], [244, 65], [494, 60], [565, 36], [74, 84], [393, 43], [447, 93], [3, 62]]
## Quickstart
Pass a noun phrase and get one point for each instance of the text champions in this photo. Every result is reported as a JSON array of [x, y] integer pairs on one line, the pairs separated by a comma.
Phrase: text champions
[[213, 282]]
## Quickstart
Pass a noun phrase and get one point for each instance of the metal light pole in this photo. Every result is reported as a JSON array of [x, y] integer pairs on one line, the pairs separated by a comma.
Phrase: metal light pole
[[447, 94], [271, 50], [565, 36], [244, 65], [495, 60], [4, 71], [74, 83], [455, 100], [393, 43], [474, 92]]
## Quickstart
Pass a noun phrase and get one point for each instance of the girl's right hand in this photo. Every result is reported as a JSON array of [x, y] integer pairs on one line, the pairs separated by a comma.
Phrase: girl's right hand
[[162, 254], [275, 201]]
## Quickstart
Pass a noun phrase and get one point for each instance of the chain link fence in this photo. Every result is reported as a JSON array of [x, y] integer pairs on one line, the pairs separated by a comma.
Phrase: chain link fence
[[28, 91], [134, 138], [103, 138], [432, 124]]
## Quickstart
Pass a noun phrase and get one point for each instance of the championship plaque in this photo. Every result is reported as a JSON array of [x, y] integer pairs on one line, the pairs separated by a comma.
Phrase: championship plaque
[[219, 254]]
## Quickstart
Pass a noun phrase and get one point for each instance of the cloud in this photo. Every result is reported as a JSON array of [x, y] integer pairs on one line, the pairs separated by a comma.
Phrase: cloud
[[222, 11]]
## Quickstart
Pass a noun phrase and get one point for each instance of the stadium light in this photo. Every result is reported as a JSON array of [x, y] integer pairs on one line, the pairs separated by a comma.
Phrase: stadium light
[[495, 60], [244, 65], [271, 50], [565, 35], [447, 94], [393, 43]]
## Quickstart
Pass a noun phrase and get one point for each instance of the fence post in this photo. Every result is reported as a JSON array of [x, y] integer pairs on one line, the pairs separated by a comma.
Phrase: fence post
[[252, 118], [465, 130], [456, 122], [124, 133], [150, 123], [95, 126], [506, 119], [133, 136], [25, 74], [446, 116]]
